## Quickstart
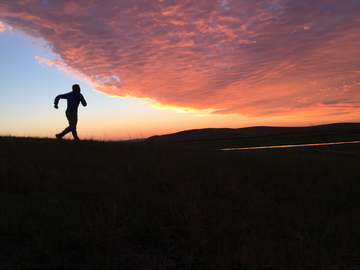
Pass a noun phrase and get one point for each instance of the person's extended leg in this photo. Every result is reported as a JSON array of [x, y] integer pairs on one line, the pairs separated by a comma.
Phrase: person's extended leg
[[72, 118]]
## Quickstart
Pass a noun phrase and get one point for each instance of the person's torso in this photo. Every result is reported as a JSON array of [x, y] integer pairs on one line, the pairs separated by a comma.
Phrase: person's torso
[[73, 100]]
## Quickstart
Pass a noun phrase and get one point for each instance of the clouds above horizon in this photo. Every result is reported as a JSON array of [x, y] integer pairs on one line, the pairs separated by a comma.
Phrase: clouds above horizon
[[254, 58]]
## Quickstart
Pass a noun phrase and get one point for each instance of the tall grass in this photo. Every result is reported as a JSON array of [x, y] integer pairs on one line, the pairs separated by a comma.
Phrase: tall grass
[[114, 205]]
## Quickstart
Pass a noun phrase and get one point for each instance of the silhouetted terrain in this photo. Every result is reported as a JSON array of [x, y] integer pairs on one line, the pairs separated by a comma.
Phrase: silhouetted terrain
[[121, 205], [260, 131]]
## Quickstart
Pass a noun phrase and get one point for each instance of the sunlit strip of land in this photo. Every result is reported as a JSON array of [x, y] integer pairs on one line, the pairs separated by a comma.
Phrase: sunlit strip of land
[[288, 145]]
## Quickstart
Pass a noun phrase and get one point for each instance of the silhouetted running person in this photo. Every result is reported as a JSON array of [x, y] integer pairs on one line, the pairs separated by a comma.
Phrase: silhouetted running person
[[73, 100]]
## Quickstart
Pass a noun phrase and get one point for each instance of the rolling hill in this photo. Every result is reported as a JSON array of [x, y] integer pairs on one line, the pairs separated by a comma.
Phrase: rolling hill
[[259, 131]]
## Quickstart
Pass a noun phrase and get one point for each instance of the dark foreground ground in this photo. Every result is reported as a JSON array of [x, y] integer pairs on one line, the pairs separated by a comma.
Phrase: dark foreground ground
[[113, 205]]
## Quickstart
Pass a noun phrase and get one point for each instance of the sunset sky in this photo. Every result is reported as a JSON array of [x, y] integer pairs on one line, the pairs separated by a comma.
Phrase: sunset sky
[[151, 67]]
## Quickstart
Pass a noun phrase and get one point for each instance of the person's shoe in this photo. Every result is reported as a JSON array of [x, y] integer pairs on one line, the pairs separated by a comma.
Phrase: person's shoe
[[59, 138]]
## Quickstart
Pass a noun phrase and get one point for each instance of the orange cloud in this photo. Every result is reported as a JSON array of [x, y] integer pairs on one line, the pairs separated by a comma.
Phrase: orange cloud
[[2, 27], [253, 58], [49, 62]]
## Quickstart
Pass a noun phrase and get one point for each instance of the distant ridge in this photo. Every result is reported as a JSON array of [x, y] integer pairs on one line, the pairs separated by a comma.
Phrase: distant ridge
[[229, 133]]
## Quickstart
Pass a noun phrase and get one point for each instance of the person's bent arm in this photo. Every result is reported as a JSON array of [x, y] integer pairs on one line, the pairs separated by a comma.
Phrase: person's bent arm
[[83, 101], [56, 101]]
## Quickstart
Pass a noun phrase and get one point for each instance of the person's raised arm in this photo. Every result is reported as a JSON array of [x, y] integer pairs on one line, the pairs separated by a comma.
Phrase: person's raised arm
[[56, 101]]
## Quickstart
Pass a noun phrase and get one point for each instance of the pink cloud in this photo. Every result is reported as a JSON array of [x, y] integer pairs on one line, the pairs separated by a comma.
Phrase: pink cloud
[[49, 62], [252, 58], [2, 27]]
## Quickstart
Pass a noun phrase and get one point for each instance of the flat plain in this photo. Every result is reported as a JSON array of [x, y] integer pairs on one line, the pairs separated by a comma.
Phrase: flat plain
[[121, 205]]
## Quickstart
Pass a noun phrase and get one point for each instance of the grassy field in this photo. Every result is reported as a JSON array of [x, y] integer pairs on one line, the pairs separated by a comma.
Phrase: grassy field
[[284, 139], [118, 205]]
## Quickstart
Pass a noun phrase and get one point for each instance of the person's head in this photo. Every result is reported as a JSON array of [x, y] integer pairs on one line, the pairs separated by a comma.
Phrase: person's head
[[76, 88]]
